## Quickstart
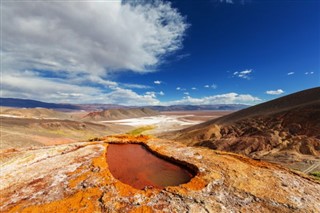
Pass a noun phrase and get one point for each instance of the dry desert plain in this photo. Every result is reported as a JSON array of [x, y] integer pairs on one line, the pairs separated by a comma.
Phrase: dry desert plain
[[41, 127]]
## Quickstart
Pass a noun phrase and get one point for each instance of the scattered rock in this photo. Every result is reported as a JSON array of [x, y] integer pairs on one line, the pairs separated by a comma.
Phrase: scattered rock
[[43, 180]]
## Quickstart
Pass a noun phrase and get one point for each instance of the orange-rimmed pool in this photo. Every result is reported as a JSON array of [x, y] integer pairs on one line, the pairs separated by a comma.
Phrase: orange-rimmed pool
[[135, 165]]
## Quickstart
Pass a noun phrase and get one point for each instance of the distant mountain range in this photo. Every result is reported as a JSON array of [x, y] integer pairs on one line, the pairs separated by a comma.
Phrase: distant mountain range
[[230, 107], [26, 103], [117, 114]]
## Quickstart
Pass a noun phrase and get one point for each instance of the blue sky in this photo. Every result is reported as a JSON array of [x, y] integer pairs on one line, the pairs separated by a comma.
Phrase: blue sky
[[168, 52]]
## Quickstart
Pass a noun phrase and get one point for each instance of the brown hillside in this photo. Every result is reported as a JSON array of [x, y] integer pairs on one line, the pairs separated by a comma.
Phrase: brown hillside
[[117, 114], [26, 132], [283, 130], [33, 113]]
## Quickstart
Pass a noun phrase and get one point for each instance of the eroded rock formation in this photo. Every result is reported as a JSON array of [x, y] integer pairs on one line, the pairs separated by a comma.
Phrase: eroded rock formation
[[75, 178]]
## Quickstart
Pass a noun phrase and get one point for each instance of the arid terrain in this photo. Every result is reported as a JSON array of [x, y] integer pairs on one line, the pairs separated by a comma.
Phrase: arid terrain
[[285, 131], [116, 114], [26, 132], [24, 127], [73, 175], [75, 178]]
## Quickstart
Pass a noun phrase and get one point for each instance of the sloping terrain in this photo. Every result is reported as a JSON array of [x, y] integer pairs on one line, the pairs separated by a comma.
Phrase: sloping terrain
[[26, 132], [231, 107], [19, 103], [33, 113], [117, 114], [282, 130], [75, 178], [26, 103]]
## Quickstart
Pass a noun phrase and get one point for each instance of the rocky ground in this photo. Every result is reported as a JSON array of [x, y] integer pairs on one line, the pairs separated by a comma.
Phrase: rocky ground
[[75, 178], [27, 132], [285, 131]]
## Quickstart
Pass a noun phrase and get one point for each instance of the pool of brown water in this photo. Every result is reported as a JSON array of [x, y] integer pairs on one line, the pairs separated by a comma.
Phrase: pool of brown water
[[134, 165]]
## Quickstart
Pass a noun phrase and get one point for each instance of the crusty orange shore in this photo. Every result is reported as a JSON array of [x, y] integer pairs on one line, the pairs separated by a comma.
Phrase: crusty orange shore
[[75, 178]]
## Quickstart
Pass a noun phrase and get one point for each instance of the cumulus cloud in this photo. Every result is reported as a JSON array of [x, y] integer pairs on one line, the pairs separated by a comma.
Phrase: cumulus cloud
[[66, 91], [309, 73], [194, 88], [213, 86], [182, 56], [245, 74], [129, 97], [186, 93], [228, 98], [290, 73], [157, 82], [226, 1], [52, 49], [180, 89], [87, 36], [275, 92], [135, 86]]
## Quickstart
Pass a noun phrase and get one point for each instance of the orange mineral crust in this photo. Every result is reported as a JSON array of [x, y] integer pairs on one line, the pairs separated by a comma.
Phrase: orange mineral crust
[[78, 178]]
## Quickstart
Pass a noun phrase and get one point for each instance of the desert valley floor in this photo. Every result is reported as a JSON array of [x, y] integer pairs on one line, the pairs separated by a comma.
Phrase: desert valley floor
[[264, 158]]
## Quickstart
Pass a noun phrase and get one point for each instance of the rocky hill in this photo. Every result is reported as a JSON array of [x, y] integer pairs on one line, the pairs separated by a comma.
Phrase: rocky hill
[[26, 103], [33, 113], [117, 114], [26, 132], [282, 130], [75, 178], [218, 107]]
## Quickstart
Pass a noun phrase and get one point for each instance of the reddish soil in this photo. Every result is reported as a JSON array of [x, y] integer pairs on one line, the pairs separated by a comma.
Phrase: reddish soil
[[134, 165], [285, 130]]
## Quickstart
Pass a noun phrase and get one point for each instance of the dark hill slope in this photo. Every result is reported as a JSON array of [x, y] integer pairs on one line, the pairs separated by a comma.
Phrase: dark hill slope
[[283, 129], [116, 114]]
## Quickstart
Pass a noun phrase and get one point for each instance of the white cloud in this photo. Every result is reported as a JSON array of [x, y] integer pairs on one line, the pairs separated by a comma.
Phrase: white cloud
[[275, 92], [227, 1], [309, 73], [66, 51], [88, 36], [186, 93], [245, 74], [213, 86], [194, 88], [66, 91], [290, 73], [180, 89], [154, 94], [128, 97], [182, 56], [157, 82], [228, 98], [135, 86]]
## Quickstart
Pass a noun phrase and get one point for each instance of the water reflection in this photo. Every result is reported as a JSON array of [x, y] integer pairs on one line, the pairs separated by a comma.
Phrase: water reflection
[[134, 165]]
